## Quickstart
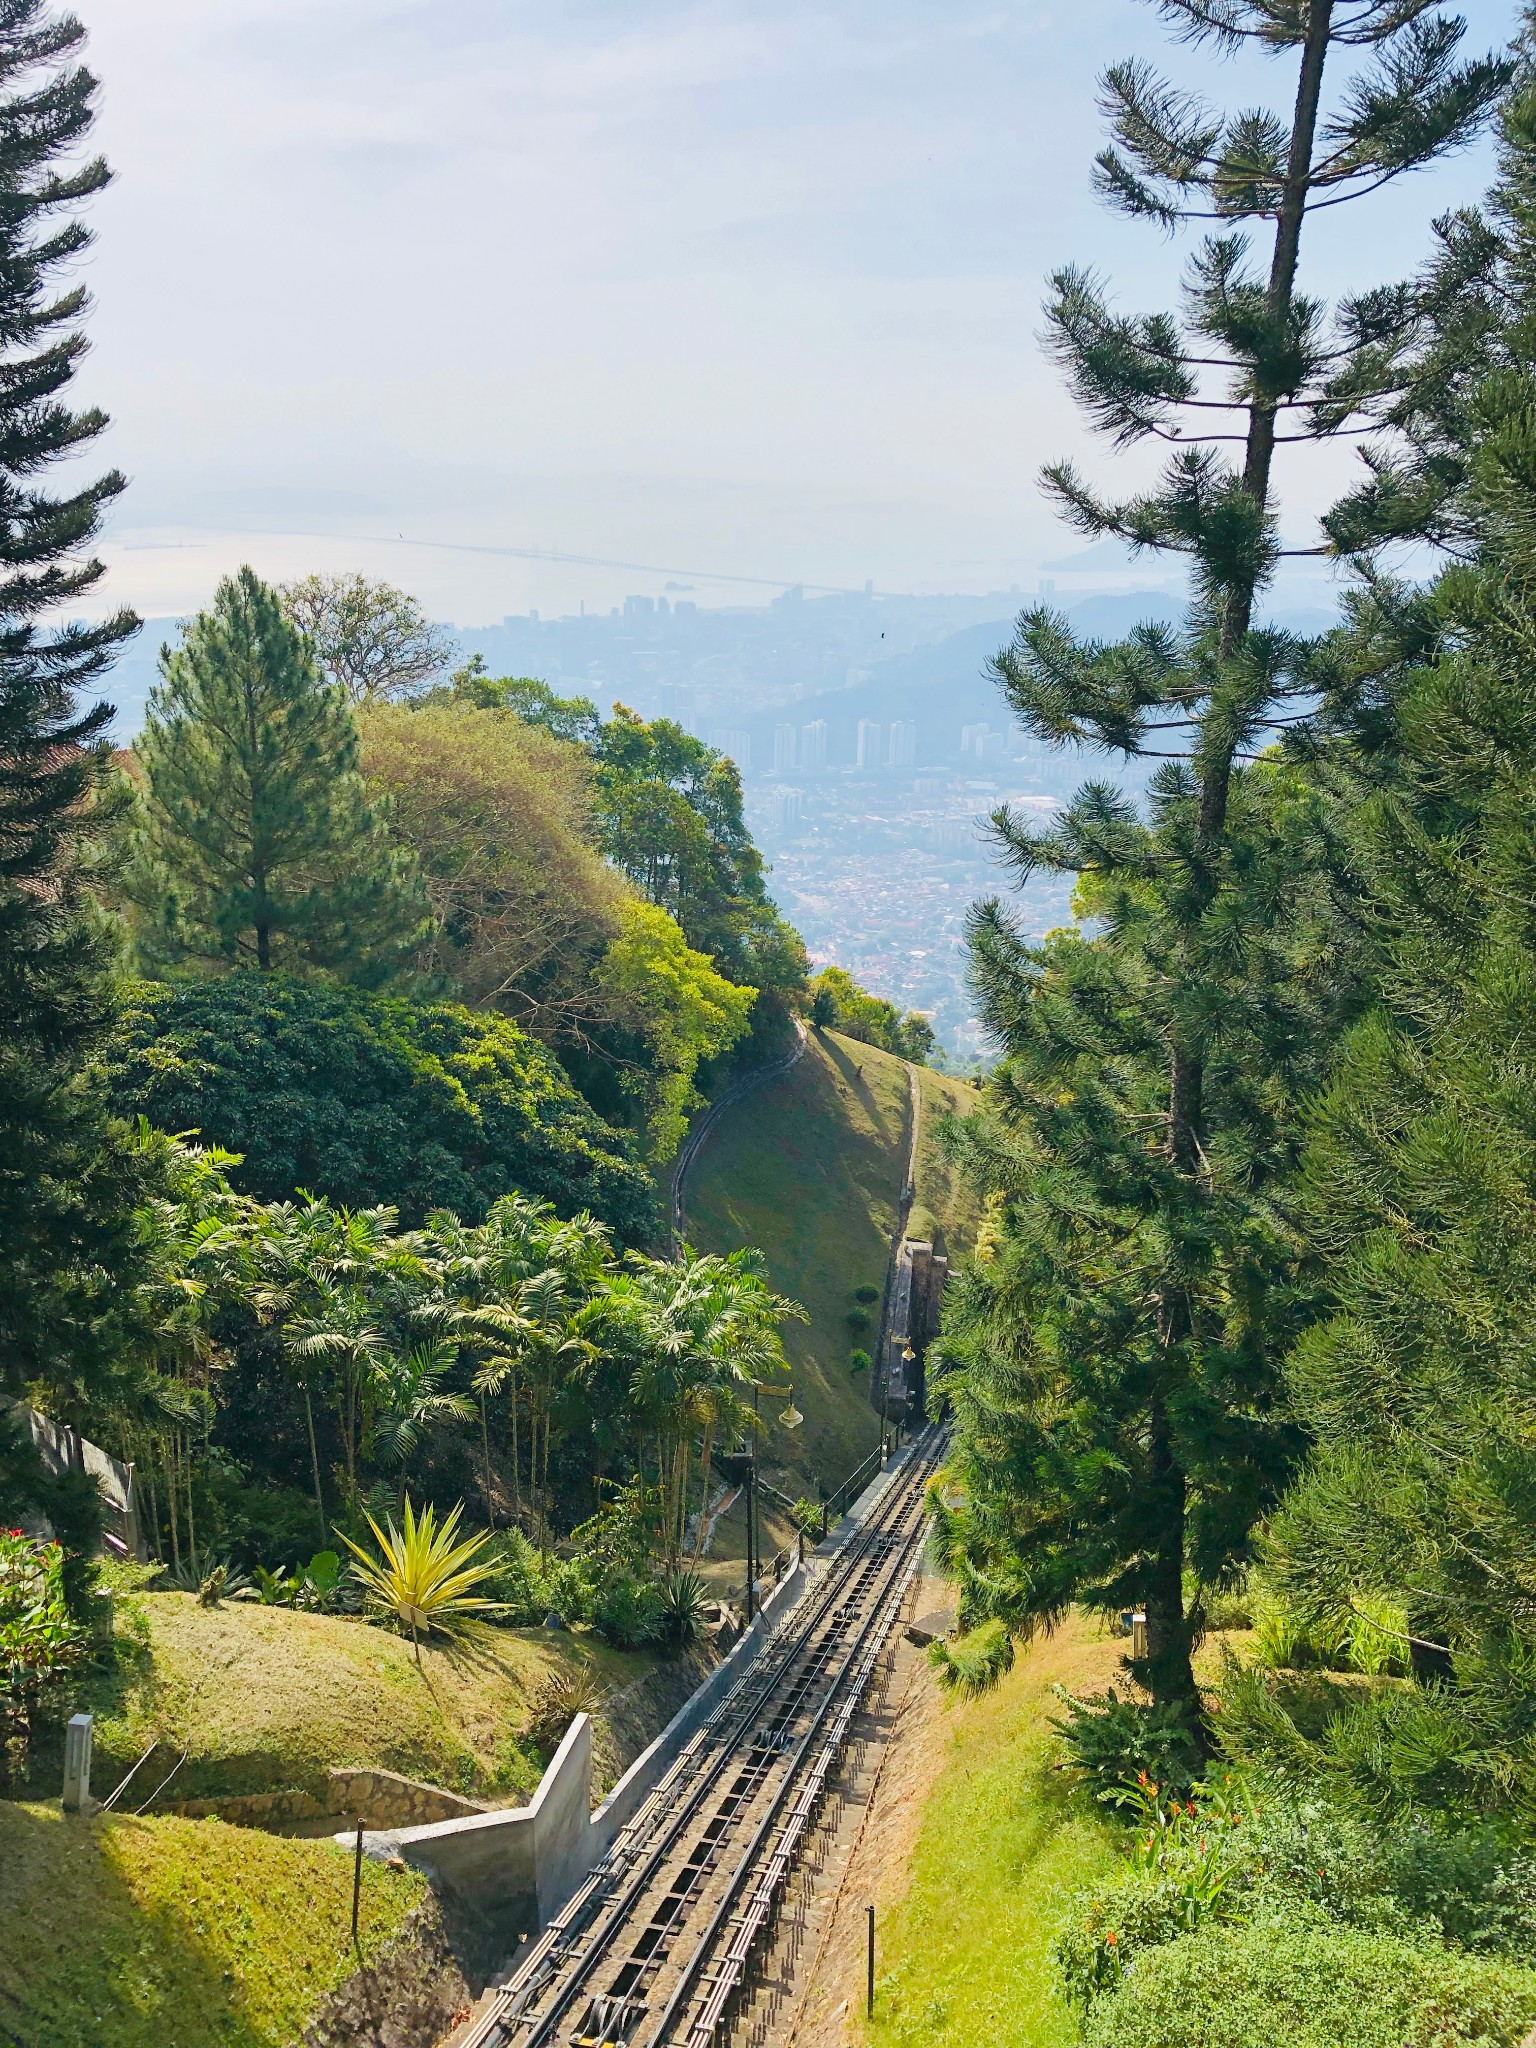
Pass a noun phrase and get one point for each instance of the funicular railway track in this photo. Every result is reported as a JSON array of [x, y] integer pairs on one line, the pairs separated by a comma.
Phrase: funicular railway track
[[655, 1945]]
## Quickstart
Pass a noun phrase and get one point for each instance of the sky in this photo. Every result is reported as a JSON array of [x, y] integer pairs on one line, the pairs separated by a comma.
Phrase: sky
[[730, 290]]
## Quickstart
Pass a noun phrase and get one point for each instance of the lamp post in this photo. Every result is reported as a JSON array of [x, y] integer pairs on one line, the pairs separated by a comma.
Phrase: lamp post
[[791, 1418]]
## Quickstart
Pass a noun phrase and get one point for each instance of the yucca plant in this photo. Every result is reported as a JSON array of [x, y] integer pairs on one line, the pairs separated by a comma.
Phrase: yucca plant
[[426, 1576], [685, 1602]]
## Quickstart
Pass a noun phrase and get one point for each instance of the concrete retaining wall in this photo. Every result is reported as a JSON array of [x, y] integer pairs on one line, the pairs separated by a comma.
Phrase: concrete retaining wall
[[516, 1867]]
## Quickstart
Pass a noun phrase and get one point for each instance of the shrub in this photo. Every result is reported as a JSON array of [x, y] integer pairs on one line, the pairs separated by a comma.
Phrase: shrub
[[858, 1320], [627, 1611], [866, 1294], [425, 1577], [558, 1699], [685, 1601], [370, 1099], [974, 1662], [1295, 1974], [40, 1644], [1116, 1746], [858, 1361]]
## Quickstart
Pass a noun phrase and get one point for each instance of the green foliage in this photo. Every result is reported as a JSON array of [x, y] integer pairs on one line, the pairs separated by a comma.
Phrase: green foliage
[[498, 814], [1126, 1750], [1116, 1365], [1295, 1974], [40, 1641], [371, 640], [425, 1577], [669, 816], [628, 1611], [858, 1320], [61, 1219], [559, 1699], [686, 1013], [866, 1294], [839, 1004], [685, 1600], [859, 1361], [254, 842], [369, 1099], [975, 1662], [527, 699]]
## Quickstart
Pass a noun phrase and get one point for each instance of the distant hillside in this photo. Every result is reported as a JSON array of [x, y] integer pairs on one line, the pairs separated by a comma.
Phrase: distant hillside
[[809, 1168]]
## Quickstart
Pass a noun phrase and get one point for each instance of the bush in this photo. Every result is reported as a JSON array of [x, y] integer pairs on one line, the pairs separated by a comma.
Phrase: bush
[[627, 1611], [859, 1361], [370, 1099], [558, 1699], [1116, 1745], [685, 1601], [40, 1644], [527, 1586], [974, 1662], [1294, 1974], [858, 1320], [866, 1294]]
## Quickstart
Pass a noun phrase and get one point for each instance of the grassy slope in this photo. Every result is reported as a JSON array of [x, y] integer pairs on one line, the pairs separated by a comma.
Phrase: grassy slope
[[943, 1208], [267, 1698], [967, 1956], [809, 1168], [175, 1933]]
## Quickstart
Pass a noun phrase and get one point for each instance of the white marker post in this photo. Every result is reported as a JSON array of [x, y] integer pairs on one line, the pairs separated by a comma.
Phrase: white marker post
[[77, 1763]]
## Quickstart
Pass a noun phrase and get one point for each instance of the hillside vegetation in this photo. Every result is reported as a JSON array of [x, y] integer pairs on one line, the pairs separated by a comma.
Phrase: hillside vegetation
[[809, 1168], [177, 1933], [265, 1699]]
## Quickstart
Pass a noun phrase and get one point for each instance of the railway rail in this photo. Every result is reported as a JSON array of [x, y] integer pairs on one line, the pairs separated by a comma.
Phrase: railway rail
[[654, 1947]]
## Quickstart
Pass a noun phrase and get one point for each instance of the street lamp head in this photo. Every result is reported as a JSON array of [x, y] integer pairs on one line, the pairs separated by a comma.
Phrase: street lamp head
[[792, 1418]]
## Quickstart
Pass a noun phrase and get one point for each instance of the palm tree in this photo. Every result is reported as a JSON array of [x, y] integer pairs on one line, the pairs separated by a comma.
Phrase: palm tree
[[708, 1327], [408, 1397]]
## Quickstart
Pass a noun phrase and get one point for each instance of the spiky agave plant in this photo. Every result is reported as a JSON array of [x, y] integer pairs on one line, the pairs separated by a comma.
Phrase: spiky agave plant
[[426, 1576]]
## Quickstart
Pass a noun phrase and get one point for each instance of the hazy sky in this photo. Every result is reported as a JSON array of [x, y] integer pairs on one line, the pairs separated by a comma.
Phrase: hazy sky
[[740, 287]]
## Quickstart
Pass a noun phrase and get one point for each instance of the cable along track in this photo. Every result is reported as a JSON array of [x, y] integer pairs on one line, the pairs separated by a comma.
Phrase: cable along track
[[652, 1949]]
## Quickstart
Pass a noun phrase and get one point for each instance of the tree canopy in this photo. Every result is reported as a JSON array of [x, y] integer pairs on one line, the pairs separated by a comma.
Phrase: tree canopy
[[370, 1099], [253, 838]]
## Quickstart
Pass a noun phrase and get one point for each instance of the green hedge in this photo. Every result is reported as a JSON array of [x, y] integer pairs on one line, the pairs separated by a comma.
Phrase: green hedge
[[370, 1099], [1297, 1976]]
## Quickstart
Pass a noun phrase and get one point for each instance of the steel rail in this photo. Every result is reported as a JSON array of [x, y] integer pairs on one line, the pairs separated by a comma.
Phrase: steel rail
[[861, 1660], [557, 1948]]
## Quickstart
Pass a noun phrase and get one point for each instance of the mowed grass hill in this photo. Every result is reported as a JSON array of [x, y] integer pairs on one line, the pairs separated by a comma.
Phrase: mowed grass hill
[[809, 1168]]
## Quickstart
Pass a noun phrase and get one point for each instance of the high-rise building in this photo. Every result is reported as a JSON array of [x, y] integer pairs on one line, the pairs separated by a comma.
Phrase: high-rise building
[[783, 749], [902, 750], [987, 746], [738, 744], [813, 746], [970, 734], [867, 743], [786, 809]]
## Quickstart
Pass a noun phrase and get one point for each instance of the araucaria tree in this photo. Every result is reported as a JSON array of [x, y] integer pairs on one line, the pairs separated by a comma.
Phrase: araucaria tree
[[1115, 1361], [255, 842], [54, 990]]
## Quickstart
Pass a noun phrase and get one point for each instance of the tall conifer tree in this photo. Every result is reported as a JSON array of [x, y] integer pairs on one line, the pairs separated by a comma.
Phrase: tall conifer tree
[[1121, 1427], [256, 844], [54, 986]]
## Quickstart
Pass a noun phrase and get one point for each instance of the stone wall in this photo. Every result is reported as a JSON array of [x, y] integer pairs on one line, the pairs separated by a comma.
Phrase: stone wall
[[381, 1799]]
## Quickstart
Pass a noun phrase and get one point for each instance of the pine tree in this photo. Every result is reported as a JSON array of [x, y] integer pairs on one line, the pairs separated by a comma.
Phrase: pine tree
[[55, 991], [255, 843], [1121, 1418]]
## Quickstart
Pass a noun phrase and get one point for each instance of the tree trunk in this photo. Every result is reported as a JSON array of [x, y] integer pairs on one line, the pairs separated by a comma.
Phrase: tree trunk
[[1169, 1670], [314, 1463], [708, 1446], [485, 1445]]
